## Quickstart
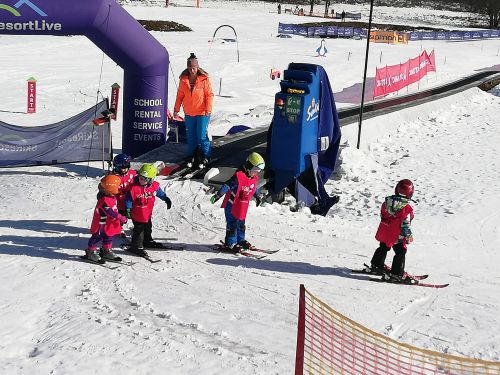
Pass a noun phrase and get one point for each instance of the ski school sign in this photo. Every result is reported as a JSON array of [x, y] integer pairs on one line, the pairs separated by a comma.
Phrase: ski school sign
[[143, 59], [395, 77]]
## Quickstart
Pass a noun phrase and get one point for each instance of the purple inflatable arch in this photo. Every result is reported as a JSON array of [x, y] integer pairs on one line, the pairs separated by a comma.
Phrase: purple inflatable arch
[[143, 59]]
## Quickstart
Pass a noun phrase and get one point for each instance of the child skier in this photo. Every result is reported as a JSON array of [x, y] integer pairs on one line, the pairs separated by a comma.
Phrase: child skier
[[121, 168], [106, 222], [394, 231], [239, 190], [139, 203]]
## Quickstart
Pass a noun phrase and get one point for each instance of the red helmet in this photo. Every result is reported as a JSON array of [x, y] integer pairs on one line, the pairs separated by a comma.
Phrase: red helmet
[[405, 188]]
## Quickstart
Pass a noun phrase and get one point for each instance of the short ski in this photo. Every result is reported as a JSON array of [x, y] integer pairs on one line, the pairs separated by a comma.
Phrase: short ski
[[179, 172], [147, 257], [388, 270], [102, 263], [223, 249], [162, 246], [265, 251], [195, 172], [126, 247], [185, 173], [165, 246], [121, 261], [417, 283]]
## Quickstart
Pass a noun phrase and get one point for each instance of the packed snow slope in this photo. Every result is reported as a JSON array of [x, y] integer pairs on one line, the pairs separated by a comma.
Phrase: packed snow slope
[[201, 312]]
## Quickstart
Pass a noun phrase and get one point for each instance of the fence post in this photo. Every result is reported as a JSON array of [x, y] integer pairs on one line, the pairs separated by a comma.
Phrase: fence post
[[301, 333]]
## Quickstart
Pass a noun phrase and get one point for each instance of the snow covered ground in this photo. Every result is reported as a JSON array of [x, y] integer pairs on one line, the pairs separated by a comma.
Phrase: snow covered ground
[[200, 312]]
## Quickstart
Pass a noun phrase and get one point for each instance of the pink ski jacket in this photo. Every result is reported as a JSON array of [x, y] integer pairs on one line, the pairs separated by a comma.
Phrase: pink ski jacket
[[106, 213], [241, 198]]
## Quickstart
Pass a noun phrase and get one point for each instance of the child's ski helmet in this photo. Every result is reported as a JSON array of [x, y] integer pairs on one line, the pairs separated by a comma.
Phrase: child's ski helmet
[[148, 171], [405, 188], [254, 160], [121, 161], [110, 184]]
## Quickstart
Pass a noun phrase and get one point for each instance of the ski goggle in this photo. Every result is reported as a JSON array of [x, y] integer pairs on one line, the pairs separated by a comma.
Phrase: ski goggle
[[145, 180], [255, 170]]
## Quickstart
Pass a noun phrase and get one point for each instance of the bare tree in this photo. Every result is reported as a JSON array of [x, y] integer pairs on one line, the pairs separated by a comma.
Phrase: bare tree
[[327, 5], [311, 2], [489, 8]]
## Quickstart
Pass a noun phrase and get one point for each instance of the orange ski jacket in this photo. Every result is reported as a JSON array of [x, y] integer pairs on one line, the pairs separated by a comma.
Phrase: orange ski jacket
[[197, 102]]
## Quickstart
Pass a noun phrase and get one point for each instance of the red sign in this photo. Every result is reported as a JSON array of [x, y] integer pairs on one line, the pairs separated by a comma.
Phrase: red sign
[[115, 93], [31, 95]]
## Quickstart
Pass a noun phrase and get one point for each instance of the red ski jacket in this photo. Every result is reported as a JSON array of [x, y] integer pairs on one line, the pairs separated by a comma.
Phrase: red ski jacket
[[393, 212], [125, 186], [143, 201]]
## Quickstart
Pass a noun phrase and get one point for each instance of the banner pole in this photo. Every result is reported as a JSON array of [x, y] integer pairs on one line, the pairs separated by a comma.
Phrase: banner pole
[[364, 75]]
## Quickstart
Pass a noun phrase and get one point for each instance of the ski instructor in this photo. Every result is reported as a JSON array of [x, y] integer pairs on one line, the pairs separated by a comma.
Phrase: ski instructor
[[196, 96]]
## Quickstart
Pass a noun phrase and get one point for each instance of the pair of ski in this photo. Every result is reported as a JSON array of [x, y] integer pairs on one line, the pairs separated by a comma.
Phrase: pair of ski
[[408, 279], [253, 252], [187, 172], [161, 246], [104, 262]]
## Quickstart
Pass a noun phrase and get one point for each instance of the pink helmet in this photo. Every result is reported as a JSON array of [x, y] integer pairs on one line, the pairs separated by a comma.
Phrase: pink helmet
[[405, 188]]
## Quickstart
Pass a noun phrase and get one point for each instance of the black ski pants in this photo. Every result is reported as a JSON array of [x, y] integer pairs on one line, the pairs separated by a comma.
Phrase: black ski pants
[[398, 262], [141, 234]]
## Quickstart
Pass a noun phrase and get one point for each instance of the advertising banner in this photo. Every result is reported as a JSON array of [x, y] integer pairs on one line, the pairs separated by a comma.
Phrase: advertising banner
[[67, 141], [391, 37], [395, 77], [456, 35]]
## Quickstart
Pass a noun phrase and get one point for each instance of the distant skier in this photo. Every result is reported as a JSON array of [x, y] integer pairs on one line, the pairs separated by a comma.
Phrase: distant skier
[[121, 168], [139, 203], [394, 231], [239, 190], [107, 221]]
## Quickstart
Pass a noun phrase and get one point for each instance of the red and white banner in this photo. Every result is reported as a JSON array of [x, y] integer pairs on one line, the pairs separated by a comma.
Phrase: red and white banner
[[115, 93], [395, 77], [31, 95]]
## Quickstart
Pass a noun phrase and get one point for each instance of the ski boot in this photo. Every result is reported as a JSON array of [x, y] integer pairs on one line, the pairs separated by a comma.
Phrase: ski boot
[[108, 254], [153, 244], [398, 279], [138, 251], [246, 245], [374, 270], [203, 162], [93, 256], [234, 248]]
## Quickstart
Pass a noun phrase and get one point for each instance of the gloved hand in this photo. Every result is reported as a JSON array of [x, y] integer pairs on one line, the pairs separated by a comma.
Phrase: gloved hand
[[123, 220], [129, 214], [258, 200], [168, 202], [214, 198]]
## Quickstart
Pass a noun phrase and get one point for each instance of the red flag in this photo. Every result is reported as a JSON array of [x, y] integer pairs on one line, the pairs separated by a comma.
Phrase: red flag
[[115, 93], [31, 95]]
